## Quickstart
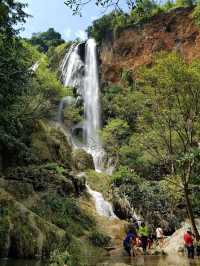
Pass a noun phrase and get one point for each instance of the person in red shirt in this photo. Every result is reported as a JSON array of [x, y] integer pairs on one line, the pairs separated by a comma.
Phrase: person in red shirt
[[188, 239]]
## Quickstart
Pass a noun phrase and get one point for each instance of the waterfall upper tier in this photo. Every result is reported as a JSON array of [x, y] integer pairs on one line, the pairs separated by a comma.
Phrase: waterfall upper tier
[[80, 71]]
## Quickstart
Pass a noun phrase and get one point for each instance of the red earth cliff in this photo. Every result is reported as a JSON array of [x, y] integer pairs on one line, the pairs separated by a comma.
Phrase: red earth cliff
[[135, 46]]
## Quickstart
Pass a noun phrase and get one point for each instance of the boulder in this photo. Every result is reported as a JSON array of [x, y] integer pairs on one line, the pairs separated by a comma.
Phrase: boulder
[[24, 234], [50, 144], [175, 243], [121, 207], [79, 182], [24, 181], [82, 160]]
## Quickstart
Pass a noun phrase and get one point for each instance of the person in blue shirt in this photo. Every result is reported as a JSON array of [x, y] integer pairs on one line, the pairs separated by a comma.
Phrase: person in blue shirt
[[128, 242]]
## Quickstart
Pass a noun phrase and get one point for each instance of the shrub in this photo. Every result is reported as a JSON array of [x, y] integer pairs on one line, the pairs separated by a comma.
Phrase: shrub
[[65, 213], [58, 258], [196, 15], [99, 239]]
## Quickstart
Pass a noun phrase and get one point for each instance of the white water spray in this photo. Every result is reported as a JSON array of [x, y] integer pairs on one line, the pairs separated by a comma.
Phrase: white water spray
[[103, 207], [92, 105], [71, 68], [84, 77]]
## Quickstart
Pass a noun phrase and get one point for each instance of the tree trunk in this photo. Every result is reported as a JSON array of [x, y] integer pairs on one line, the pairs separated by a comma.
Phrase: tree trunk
[[190, 213]]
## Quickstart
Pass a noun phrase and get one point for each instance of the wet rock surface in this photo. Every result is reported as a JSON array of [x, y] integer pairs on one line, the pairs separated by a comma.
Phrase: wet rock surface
[[82, 160]]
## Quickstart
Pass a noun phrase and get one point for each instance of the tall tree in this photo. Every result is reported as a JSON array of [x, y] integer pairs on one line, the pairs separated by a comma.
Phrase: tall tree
[[168, 127], [11, 13]]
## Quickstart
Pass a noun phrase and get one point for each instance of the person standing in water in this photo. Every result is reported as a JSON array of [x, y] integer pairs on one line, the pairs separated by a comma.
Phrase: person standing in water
[[188, 240], [129, 242], [160, 236], [143, 233]]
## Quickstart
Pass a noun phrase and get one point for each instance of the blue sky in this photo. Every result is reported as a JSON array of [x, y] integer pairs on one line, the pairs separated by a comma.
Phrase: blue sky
[[54, 13]]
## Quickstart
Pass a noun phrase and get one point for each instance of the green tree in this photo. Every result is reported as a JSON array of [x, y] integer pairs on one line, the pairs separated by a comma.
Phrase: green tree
[[114, 134], [11, 13], [102, 27], [169, 122], [44, 40], [185, 3]]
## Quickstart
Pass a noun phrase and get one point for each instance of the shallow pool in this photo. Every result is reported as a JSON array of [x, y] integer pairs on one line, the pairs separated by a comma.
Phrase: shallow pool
[[173, 260], [14, 262], [119, 261]]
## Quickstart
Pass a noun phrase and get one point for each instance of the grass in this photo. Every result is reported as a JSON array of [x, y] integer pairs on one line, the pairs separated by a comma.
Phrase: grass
[[99, 182]]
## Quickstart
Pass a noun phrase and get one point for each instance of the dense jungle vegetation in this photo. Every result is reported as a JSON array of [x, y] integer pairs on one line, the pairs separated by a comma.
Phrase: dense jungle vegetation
[[151, 130], [39, 204]]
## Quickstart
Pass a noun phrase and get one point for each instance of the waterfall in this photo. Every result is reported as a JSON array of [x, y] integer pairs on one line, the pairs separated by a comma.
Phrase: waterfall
[[72, 68], [81, 73], [92, 105], [103, 207], [83, 76]]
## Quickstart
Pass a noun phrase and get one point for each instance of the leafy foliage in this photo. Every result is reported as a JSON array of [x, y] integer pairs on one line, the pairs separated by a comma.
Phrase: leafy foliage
[[65, 213], [151, 199], [161, 142], [196, 14], [23, 90], [56, 54], [114, 134], [45, 40], [99, 239], [11, 13]]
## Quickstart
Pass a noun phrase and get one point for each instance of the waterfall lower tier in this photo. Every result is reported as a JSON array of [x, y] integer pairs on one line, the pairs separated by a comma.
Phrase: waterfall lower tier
[[103, 207]]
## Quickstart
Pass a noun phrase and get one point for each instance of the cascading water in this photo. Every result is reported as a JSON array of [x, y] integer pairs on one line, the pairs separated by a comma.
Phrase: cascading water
[[103, 207], [83, 76], [72, 69], [92, 105]]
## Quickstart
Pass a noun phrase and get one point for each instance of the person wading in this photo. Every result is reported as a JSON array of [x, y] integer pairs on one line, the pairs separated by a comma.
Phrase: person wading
[[129, 242], [188, 239], [143, 233]]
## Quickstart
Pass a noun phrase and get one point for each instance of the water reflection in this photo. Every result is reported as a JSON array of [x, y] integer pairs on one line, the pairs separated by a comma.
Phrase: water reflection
[[10, 262], [119, 261], [151, 261]]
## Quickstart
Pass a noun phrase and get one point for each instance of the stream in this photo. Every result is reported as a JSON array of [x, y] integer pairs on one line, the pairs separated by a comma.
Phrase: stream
[[173, 260]]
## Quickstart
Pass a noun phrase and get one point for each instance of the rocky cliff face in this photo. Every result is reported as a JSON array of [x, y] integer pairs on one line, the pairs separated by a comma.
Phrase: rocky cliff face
[[135, 46]]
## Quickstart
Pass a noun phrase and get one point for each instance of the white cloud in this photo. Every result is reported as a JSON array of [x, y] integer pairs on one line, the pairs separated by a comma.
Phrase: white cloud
[[81, 34], [67, 33], [94, 18]]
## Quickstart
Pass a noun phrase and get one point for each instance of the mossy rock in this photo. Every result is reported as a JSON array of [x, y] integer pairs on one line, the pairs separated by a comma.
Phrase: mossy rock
[[79, 183], [23, 182], [82, 160], [5, 229], [121, 207], [50, 144], [20, 190], [24, 234]]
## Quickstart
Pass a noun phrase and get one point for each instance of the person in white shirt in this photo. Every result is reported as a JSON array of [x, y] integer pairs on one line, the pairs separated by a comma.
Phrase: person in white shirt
[[160, 236]]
